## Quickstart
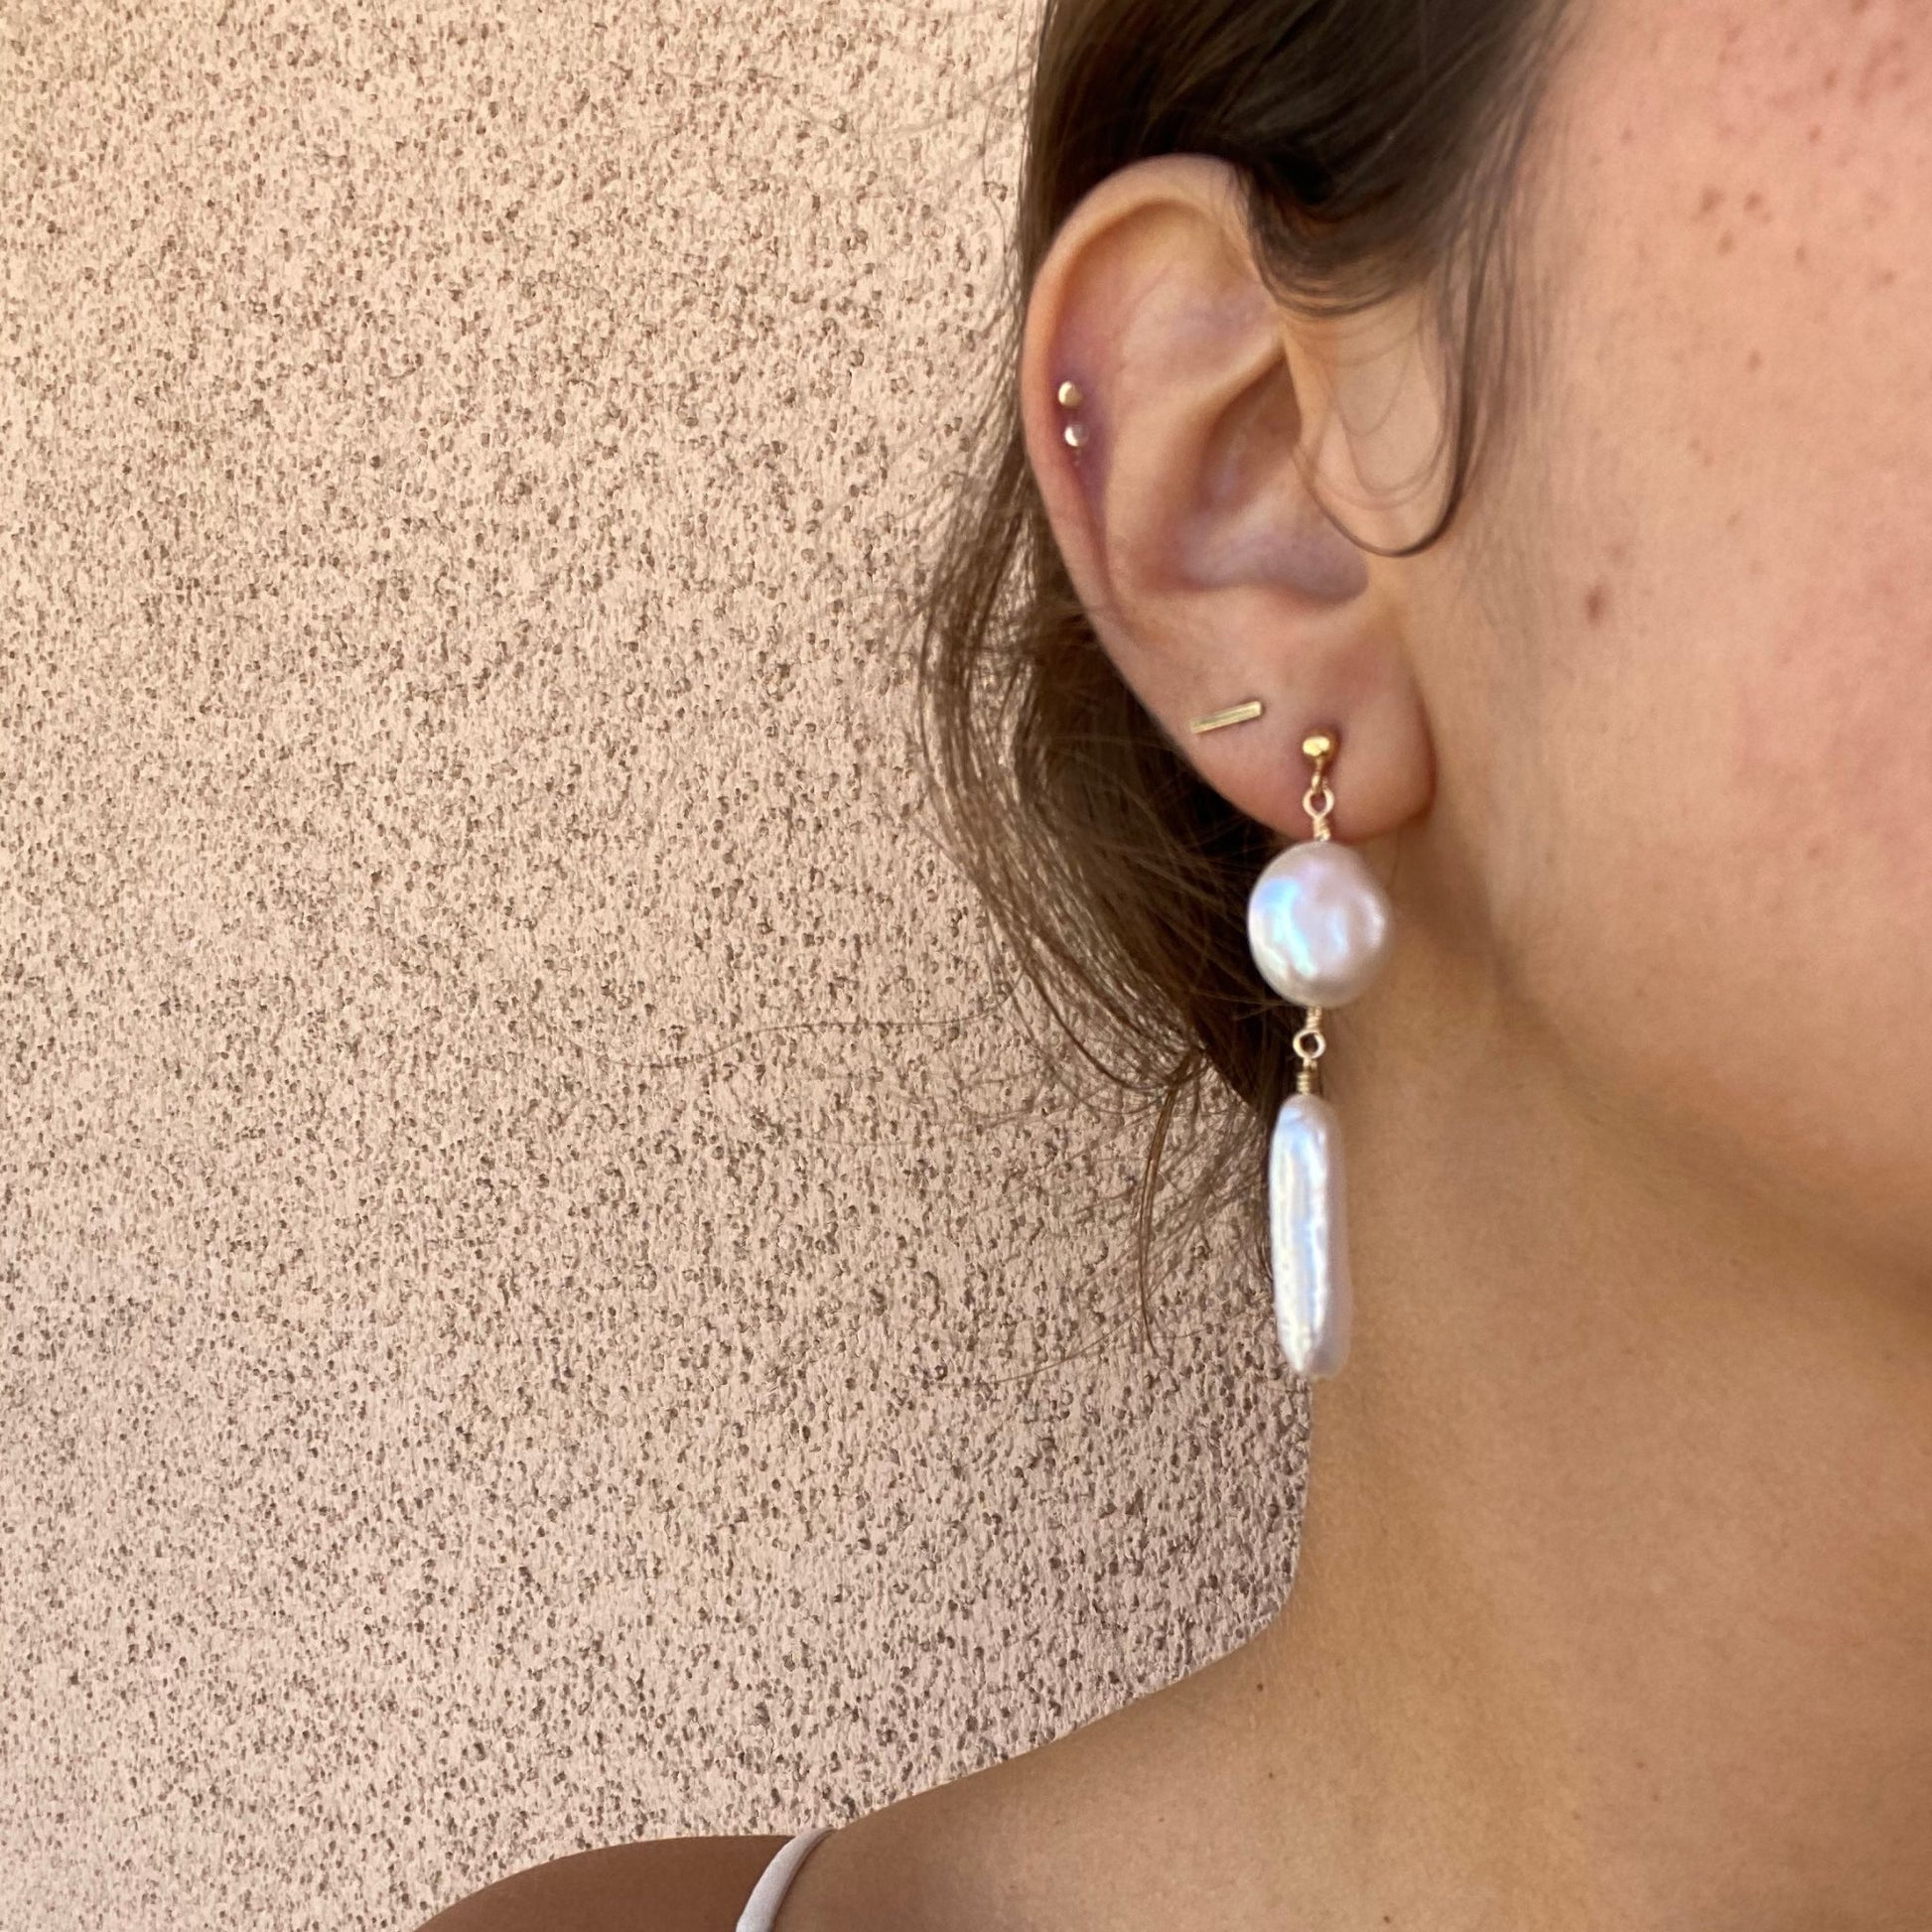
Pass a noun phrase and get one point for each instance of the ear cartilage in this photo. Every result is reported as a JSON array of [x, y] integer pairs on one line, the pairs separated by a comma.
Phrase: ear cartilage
[[1238, 714]]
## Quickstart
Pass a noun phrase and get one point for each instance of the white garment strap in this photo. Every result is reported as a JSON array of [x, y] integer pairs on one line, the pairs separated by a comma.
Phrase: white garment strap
[[766, 1896]]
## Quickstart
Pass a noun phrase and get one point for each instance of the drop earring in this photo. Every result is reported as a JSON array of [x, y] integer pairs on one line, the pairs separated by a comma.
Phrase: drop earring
[[1319, 926]]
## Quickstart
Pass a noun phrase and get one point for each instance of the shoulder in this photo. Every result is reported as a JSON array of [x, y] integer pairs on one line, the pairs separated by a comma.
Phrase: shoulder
[[664, 1885]]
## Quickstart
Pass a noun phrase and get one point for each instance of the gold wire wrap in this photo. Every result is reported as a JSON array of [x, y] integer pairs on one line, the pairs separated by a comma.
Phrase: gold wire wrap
[[1319, 801]]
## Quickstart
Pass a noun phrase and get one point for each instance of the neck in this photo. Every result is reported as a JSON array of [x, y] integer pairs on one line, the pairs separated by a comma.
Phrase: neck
[[1616, 1580], [1611, 1604]]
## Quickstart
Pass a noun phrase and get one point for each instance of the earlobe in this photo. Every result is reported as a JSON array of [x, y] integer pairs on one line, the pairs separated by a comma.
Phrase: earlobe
[[1171, 409]]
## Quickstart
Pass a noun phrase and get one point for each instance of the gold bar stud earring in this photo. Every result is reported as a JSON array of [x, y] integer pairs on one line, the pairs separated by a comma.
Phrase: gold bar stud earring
[[1238, 714]]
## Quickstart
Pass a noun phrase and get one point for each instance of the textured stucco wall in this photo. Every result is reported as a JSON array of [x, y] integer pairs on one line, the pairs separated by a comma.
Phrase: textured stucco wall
[[533, 1250]]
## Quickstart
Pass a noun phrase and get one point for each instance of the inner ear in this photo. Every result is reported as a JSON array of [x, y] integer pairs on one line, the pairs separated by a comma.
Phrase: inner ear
[[1256, 519]]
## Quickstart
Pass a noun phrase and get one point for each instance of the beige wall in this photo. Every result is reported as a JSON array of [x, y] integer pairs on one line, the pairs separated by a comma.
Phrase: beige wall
[[528, 1221]]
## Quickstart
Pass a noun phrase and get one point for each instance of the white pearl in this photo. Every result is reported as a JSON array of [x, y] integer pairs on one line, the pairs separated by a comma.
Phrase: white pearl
[[1308, 1237], [1319, 923]]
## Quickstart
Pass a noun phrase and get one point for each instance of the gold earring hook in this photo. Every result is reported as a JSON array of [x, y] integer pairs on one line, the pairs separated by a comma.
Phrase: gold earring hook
[[1319, 801]]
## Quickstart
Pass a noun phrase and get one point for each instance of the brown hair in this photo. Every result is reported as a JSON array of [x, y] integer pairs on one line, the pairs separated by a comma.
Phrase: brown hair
[[1380, 142]]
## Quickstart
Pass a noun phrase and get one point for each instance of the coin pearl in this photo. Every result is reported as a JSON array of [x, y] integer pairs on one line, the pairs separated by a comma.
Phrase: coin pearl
[[1319, 923]]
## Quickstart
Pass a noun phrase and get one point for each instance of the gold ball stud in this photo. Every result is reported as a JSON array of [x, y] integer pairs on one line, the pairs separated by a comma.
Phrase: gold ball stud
[[1070, 396], [1318, 745]]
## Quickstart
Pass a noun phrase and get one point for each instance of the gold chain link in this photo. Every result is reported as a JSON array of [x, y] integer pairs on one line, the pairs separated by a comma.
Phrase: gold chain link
[[1318, 788], [1319, 801]]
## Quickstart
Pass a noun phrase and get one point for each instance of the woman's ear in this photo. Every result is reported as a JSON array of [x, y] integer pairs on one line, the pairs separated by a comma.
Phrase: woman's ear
[[1185, 432]]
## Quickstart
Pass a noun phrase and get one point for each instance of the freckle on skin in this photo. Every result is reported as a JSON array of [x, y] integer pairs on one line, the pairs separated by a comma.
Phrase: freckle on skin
[[1754, 201], [1876, 69], [1595, 602], [1753, 360], [1727, 243], [1711, 197]]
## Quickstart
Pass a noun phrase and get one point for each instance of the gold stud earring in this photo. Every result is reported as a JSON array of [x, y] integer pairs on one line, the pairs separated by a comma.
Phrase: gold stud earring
[[1239, 714], [1070, 398]]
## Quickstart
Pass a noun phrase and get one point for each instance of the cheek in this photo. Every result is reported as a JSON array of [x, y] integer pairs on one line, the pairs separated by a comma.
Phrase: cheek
[[1728, 908]]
